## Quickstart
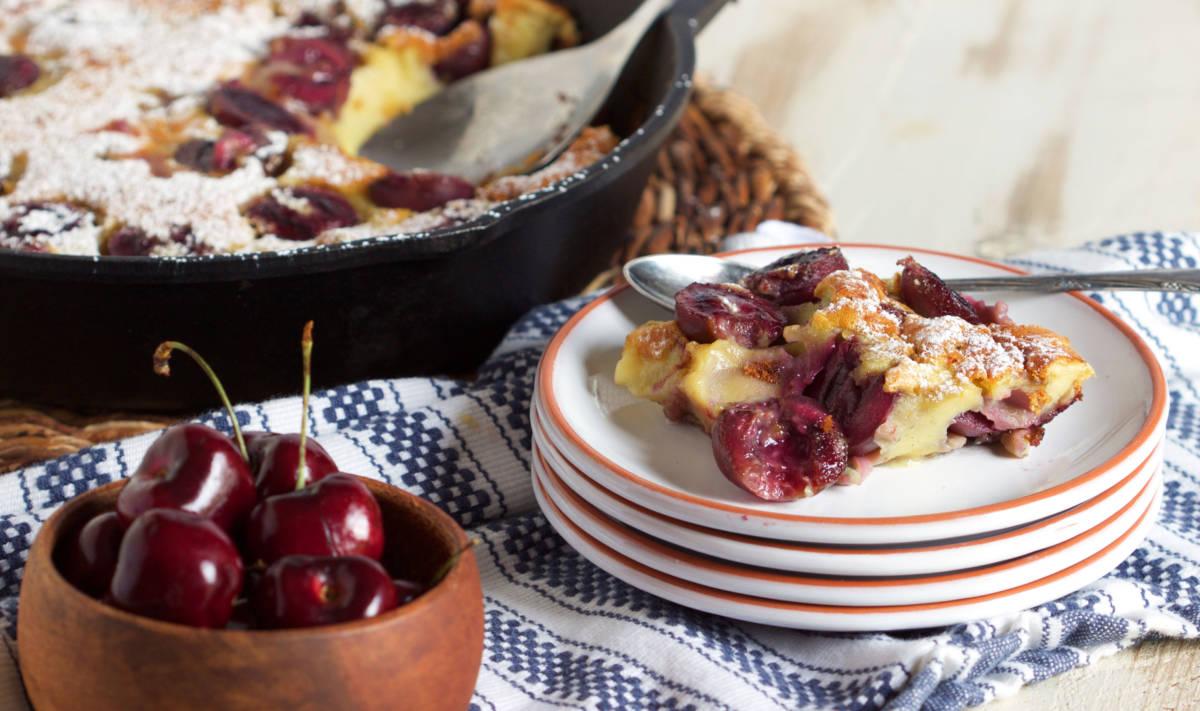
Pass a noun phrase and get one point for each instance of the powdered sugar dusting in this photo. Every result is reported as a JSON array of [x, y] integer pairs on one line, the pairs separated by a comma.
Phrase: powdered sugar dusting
[[110, 61], [938, 357], [318, 162], [964, 347], [119, 75]]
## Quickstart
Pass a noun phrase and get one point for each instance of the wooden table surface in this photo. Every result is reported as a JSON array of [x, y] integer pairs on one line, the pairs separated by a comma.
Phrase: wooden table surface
[[990, 127]]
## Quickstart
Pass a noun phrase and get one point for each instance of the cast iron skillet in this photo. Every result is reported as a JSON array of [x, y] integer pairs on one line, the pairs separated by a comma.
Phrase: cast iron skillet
[[80, 331]]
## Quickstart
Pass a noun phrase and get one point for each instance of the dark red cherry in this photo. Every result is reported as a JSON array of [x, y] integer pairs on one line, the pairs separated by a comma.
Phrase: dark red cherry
[[231, 146], [178, 567], [870, 409], [465, 51], [129, 241], [335, 516], [793, 279], [306, 591], [312, 70], [238, 107], [191, 468], [274, 459], [301, 213], [858, 407], [314, 54], [707, 312], [806, 367], [219, 156], [17, 72], [438, 17], [779, 450], [90, 557], [418, 190], [928, 295], [317, 94]]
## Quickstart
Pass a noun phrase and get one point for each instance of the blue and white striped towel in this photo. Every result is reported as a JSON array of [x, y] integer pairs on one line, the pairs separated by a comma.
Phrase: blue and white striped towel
[[563, 634]]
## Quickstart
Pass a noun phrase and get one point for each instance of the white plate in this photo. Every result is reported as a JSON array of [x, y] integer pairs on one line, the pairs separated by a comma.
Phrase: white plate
[[851, 560], [841, 618], [838, 590], [627, 446]]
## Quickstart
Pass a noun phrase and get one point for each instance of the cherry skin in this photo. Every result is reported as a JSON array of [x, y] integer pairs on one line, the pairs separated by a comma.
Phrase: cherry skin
[[90, 557], [274, 459], [192, 468], [178, 567], [335, 516], [17, 72], [305, 591], [406, 591]]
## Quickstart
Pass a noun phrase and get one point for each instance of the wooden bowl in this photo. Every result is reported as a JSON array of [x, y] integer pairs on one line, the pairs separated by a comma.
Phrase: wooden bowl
[[76, 652]]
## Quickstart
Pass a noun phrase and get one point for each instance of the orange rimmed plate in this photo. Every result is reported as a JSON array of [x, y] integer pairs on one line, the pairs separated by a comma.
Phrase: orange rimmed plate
[[627, 446], [911, 559], [843, 618]]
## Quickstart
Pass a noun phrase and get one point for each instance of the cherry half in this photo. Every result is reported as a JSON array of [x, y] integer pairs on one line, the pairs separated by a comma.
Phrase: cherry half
[[793, 279], [707, 312], [237, 107], [781, 449], [17, 72], [337, 515], [90, 556], [929, 296], [300, 213], [437, 17], [305, 591], [418, 190], [178, 567]]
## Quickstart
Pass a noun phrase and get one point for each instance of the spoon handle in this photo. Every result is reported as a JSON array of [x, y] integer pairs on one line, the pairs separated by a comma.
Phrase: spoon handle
[[1183, 280], [621, 40]]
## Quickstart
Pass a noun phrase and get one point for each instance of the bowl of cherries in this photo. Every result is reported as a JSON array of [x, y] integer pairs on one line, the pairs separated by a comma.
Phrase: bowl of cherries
[[248, 572]]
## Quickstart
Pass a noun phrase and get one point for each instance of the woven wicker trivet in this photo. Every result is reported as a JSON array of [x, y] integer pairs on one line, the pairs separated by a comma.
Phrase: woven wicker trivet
[[722, 171]]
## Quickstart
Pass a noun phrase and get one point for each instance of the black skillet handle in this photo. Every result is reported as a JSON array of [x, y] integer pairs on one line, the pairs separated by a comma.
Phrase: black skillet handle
[[700, 10]]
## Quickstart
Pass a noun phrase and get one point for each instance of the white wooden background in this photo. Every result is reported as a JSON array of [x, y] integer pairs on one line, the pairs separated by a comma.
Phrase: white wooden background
[[990, 127], [985, 126]]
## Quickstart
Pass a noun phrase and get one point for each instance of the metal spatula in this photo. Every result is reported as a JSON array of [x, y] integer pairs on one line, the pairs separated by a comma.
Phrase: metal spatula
[[502, 118]]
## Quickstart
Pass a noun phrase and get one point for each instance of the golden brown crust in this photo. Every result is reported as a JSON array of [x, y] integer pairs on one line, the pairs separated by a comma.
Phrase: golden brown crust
[[593, 143], [770, 372], [654, 340], [1039, 347]]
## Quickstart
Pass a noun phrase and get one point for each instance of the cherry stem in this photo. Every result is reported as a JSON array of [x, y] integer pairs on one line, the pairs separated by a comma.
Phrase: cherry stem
[[162, 366], [446, 567], [306, 346]]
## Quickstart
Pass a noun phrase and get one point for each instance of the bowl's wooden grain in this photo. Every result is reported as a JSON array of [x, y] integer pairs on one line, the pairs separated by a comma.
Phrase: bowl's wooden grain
[[78, 653]]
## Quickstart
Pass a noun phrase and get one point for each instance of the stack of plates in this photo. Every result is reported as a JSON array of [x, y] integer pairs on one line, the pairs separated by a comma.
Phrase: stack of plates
[[966, 535]]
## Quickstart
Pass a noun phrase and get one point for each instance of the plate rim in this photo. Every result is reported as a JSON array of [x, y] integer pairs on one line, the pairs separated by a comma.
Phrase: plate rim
[[904, 548], [545, 379], [723, 567], [1140, 525]]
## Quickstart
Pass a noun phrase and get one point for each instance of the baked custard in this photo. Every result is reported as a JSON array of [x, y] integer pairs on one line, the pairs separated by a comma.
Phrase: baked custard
[[179, 127], [809, 373]]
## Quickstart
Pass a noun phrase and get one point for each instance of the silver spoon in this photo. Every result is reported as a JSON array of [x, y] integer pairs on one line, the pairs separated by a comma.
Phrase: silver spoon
[[502, 118], [659, 277]]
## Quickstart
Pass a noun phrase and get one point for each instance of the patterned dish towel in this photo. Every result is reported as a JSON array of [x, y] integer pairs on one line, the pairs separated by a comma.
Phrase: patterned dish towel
[[561, 633]]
